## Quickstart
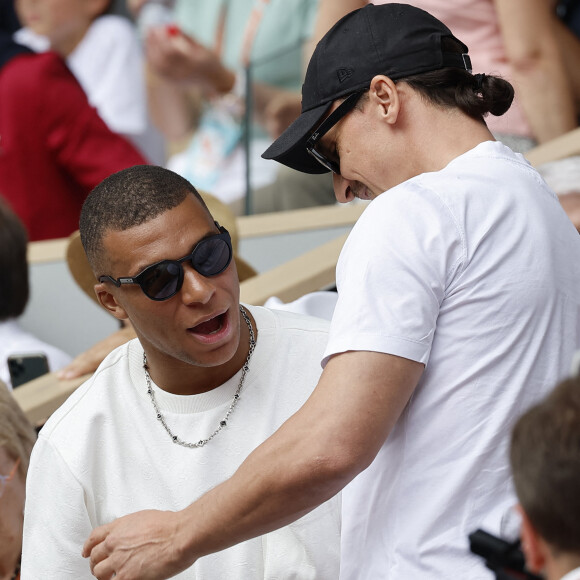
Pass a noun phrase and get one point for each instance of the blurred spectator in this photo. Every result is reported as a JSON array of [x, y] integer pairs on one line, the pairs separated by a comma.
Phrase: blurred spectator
[[567, 27], [515, 39], [103, 52], [569, 12], [292, 189], [563, 176], [545, 461], [55, 148], [205, 56], [14, 294], [17, 438], [8, 18]]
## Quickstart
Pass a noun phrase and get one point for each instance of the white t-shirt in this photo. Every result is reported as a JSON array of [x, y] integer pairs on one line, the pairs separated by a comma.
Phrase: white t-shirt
[[572, 575], [15, 340], [475, 272], [104, 454]]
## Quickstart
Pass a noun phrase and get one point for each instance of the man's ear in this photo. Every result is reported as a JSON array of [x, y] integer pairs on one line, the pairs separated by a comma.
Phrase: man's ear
[[109, 302], [383, 92], [533, 546]]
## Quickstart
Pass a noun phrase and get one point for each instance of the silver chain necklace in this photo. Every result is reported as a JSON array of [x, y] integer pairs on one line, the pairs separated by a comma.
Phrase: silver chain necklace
[[232, 406]]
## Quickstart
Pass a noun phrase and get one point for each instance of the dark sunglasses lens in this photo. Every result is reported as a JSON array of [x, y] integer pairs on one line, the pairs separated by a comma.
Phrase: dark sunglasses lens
[[211, 256], [330, 165], [161, 281]]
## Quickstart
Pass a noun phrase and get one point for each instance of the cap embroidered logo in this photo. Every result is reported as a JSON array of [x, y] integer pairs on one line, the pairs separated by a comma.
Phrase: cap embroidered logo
[[343, 74]]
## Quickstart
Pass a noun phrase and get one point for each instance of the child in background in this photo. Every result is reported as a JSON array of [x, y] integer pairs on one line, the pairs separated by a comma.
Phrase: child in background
[[545, 461], [103, 52]]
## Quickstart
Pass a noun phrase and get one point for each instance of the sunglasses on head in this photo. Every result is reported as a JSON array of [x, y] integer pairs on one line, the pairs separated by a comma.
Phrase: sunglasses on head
[[162, 280], [341, 111]]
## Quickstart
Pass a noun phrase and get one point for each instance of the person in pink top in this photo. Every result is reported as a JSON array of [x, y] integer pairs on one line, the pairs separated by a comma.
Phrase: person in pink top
[[515, 39]]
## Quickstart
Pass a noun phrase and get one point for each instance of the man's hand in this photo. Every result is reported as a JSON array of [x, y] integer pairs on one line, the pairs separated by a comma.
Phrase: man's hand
[[179, 58], [145, 545]]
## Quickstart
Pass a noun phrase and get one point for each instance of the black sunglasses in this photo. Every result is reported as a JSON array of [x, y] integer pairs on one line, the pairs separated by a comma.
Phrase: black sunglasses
[[162, 280], [341, 111]]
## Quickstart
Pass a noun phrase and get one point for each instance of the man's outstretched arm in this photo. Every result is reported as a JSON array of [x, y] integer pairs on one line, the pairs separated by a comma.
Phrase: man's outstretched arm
[[332, 438]]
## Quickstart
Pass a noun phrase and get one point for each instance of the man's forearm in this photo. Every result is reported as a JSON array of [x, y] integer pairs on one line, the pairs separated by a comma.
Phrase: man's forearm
[[538, 74], [317, 452], [569, 45], [279, 482], [332, 438], [554, 102], [170, 107]]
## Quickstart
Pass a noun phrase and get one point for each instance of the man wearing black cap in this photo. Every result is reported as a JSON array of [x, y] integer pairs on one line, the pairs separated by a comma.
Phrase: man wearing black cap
[[457, 309]]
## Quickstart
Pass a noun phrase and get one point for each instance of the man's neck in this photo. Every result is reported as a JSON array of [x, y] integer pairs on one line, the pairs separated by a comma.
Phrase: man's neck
[[182, 378], [436, 135], [558, 566]]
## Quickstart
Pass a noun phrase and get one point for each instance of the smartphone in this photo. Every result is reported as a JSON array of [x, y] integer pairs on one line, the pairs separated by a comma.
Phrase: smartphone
[[26, 367]]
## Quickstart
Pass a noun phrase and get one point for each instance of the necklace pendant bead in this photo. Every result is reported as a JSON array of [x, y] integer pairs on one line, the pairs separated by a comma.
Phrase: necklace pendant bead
[[223, 423]]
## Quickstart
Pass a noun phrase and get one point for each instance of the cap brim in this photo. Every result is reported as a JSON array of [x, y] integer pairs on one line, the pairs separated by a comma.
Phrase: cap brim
[[290, 148]]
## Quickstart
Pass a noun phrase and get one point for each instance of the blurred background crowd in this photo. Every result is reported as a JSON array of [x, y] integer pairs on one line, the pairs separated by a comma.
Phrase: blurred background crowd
[[90, 87]]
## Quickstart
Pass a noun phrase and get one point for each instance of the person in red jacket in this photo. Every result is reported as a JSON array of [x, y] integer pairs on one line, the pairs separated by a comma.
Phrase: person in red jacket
[[54, 147]]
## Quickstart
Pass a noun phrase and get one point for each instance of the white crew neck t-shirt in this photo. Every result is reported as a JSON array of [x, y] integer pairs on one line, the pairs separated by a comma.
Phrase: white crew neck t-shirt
[[475, 272]]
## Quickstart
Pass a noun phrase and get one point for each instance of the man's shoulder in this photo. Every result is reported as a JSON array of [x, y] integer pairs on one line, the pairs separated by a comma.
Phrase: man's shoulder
[[94, 396]]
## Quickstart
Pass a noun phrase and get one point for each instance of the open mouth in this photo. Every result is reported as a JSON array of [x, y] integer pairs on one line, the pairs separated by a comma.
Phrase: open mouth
[[211, 326]]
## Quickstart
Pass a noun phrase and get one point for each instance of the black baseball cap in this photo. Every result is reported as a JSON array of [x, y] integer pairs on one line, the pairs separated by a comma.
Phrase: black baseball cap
[[396, 40]]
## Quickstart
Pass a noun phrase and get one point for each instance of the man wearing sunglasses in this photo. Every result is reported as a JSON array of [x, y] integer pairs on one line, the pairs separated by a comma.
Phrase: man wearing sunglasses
[[178, 409], [457, 308]]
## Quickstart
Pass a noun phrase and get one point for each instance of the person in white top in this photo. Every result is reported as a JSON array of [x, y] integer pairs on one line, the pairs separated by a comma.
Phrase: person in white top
[[545, 463], [104, 54], [176, 410], [457, 309], [14, 294]]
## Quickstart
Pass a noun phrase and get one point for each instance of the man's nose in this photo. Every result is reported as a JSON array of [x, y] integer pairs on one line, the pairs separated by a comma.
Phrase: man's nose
[[342, 189], [196, 288]]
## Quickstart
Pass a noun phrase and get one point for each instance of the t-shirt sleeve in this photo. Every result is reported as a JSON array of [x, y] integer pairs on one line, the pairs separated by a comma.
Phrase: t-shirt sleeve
[[79, 139], [393, 273], [56, 521]]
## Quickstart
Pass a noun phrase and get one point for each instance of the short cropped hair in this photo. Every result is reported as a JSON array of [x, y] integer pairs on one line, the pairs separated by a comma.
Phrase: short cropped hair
[[545, 461], [17, 436], [14, 286], [127, 199]]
